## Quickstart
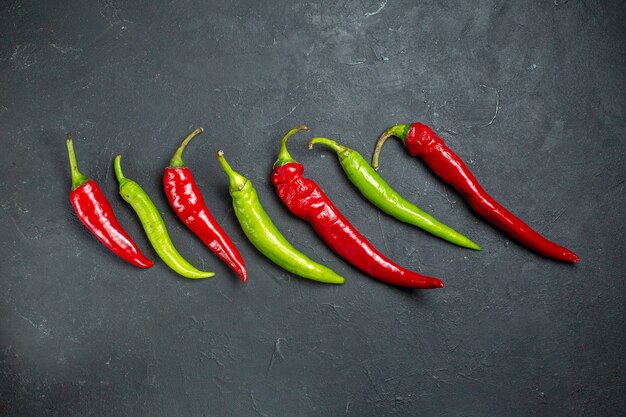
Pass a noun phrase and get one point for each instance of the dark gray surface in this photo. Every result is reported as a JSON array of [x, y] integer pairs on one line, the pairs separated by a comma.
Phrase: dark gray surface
[[531, 94]]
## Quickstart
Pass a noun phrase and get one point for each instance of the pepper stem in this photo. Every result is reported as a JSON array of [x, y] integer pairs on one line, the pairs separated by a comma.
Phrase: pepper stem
[[399, 131], [78, 178], [342, 152], [177, 159], [327, 142], [117, 167], [237, 181], [283, 156]]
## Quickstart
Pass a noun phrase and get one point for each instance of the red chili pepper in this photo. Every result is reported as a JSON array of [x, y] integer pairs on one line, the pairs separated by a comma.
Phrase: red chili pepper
[[186, 200], [420, 140], [95, 212], [305, 199]]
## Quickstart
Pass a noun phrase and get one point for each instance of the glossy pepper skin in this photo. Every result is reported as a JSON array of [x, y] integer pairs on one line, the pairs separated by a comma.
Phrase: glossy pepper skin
[[154, 226], [185, 198], [420, 140], [304, 198], [379, 193], [95, 212], [262, 233]]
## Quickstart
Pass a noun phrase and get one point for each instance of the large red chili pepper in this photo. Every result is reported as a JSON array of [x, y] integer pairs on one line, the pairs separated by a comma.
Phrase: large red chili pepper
[[186, 200], [95, 212], [420, 140], [305, 199]]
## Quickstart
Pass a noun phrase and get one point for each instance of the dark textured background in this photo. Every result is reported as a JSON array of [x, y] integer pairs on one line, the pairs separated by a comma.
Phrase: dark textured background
[[530, 93]]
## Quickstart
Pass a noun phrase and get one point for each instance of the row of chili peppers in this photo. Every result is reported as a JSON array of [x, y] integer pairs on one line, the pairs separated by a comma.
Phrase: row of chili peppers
[[305, 199]]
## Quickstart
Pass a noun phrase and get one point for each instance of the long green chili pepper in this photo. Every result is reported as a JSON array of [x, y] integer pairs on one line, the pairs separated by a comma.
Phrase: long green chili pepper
[[154, 226], [379, 193], [260, 230]]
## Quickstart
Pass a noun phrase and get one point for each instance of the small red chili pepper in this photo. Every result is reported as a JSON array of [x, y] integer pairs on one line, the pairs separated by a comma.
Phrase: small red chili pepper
[[95, 212], [420, 140], [305, 199], [186, 200]]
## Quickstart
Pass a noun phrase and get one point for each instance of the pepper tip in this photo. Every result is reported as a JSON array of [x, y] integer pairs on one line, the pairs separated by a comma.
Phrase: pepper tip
[[432, 283], [144, 263]]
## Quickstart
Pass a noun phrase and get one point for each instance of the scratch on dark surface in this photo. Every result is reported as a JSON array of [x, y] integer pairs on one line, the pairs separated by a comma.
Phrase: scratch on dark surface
[[495, 113], [165, 123], [111, 13], [410, 252], [43, 330], [377, 55], [18, 229], [212, 357], [556, 215], [382, 232], [230, 210], [450, 131], [255, 406], [273, 276], [64, 49], [368, 373], [335, 307], [101, 156], [578, 163], [436, 378], [24, 56], [27, 319], [408, 400], [347, 406], [275, 353], [380, 9], [476, 379], [618, 184], [287, 115], [453, 348], [591, 11], [222, 385], [224, 295], [445, 195], [228, 96]]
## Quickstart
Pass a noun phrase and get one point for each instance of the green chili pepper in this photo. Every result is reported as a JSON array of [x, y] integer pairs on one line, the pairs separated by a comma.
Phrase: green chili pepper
[[379, 193], [154, 226], [260, 230]]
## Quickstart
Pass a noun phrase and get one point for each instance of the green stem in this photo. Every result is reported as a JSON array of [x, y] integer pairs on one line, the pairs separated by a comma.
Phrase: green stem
[[325, 141], [283, 156], [78, 178], [399, 131], [237, 181], [343, 152], [177, 159], [117, 167]]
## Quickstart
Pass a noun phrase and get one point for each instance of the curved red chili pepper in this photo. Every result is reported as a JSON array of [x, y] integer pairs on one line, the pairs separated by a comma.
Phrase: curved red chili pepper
[[95, 212], [305, 199], [420, 140], [185, 198]]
